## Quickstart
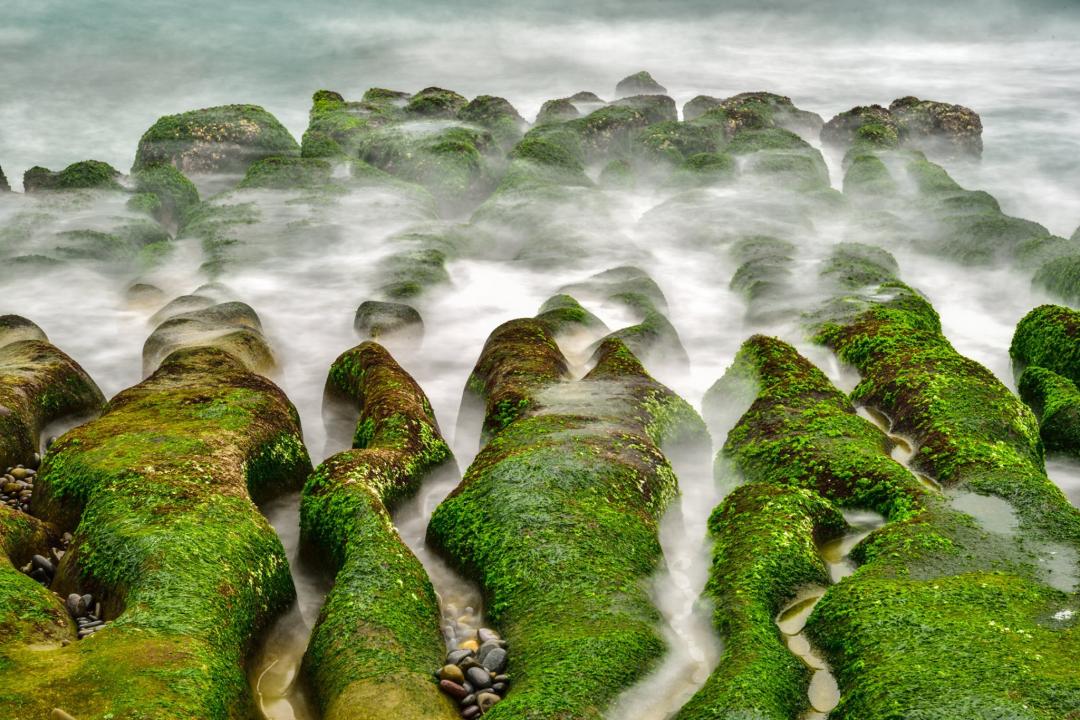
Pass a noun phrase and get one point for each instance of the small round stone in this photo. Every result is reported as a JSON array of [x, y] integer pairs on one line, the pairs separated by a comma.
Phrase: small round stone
[[479, 677], [495, 661], [469, 645], [453, 689], [452, 673], [455, 657]]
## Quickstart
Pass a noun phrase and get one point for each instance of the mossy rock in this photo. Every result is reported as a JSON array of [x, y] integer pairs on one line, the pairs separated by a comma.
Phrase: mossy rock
[[232, 327], [618, 174], [545, 158], [519, 358], [868, 126], [288, 173], [752, 110], [764, 552], [937, 127], [158, 493], [174, 193], [676, 141], [434, 102], [378, 320], [14, 328], [853, 265], [608, 131], [1055, 401], [562, 313], [83, 175], [39, 384], [497, 115], [4, 186], [656, 108], [1049, 337], [452, 162], [868, 177], [558, 110], [640, 83], [411, 273], [708, 168], [952, 661], [224, 139], [1061, 278], [972, 432], [557, 518], [801, 435], [802, 432], [377, 639], [335, 126]]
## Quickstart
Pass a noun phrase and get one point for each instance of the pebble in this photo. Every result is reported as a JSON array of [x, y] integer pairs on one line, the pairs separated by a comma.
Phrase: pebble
[[453, 673], [455, 657], [452, 689], [43, 563], [495, 661], [58, 714], [479, 677], [487, 700], [473, 673]]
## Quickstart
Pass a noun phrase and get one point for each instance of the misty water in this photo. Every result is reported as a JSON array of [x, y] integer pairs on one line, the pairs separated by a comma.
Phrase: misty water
[[104, 79]]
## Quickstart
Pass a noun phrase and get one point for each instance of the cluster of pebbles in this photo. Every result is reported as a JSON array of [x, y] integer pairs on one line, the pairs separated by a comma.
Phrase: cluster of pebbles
[[86, 612], [17, 487], [82, 608], [474, 674]]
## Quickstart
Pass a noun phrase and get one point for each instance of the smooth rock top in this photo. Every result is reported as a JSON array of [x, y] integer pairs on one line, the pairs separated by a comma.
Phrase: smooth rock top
[[14, 328], [222, 139], [82, 175], [640, 83]]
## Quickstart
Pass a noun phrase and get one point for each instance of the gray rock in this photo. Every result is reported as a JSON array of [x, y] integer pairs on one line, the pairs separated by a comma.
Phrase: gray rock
[[378, 320], [40, 562], [495, 661], [640, 83], [478, 677], [470, 712], [76, 606], [455, 657], [485, 635]]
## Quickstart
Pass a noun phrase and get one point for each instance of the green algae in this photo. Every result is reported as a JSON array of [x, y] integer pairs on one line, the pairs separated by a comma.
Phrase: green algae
[[377, 638], [557, 518], [227, 138], [1055, 400], [1046, 337], [84, 175], [158, 492], [764, 552], [39, 383]]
